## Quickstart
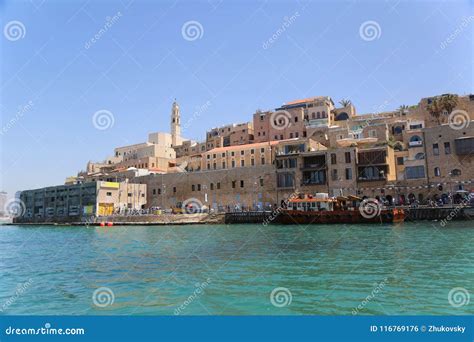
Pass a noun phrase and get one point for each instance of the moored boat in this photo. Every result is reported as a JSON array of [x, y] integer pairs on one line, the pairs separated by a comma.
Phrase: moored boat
[[308, 209]]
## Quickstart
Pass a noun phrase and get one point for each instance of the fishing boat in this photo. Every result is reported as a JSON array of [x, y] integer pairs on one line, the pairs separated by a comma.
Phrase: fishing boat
[[309, 209]]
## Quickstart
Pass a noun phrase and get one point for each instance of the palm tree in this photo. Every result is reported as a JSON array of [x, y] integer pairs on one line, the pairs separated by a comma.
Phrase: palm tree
[[449, 102], [403, 109], [345, 103], [435, 108]]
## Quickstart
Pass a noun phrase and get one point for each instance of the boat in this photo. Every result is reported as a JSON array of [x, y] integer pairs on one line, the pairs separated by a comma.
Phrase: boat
[[309, 209]]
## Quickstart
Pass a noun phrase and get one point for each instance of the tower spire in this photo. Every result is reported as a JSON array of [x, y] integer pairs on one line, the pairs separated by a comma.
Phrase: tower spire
[[175, 123]]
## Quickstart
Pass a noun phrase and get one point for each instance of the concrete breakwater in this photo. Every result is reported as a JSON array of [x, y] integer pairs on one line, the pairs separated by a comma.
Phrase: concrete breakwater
[[165, 219]]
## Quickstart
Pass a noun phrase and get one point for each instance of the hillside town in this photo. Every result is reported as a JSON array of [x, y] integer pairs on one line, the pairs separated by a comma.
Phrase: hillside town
[[420, 154]]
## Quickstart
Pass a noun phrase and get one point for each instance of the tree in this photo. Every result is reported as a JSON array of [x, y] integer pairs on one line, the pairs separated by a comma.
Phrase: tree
[[435, 109], [345, 103], [403, 109], [442, 104], [449, 102]]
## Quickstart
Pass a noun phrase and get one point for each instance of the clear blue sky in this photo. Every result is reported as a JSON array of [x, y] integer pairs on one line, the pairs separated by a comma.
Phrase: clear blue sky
[[142, 62]]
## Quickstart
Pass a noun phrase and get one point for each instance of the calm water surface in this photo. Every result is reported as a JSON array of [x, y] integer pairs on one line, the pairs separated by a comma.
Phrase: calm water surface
[[232, 270]]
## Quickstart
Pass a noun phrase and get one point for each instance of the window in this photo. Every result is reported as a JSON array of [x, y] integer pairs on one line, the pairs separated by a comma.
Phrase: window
[[420, 156], [296, 119], [414, 172], [193, 187], [208, 156], [373, 133], [232, 154], [215, 166], [159, 191], [242, 163], [291, 135], [261, 181], [263, 161], [436, 149], [212, 186], [223, 155], [242, 153], [333, 158], [437, 172], [218, 185], [252, 151], [199, 187], [208, 166], [456, 172], [110, 194], [174, 189], [154, 191], [214, 155], [348, 173], [348, 157], [233, 163], [129, 194], [262, 150], [233, 184], [252, 162], [223, 165], [447, 148], [400, 161], [241, 183], [334, 175]]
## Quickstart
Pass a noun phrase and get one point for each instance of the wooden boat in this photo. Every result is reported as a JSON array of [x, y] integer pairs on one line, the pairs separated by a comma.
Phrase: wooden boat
[[308, 209]]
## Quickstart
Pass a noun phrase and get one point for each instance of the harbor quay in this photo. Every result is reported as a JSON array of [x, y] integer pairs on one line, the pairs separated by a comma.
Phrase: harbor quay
[[418, 157]]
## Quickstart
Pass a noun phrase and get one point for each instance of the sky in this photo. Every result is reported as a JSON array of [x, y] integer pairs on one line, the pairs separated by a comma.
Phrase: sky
[[79, 78]]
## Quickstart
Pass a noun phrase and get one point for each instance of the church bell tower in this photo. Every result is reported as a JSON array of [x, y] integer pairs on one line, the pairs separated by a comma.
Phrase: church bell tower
[[175, 123]]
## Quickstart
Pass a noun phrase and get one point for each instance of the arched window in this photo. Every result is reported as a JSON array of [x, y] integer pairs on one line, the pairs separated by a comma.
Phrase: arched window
[[342, 116], [318, 115], [456, 172], [420, 156], [397, 130], [415, 138]]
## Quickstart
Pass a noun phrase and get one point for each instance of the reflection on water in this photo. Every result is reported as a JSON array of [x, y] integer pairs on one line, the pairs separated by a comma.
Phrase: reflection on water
[[238, 269]]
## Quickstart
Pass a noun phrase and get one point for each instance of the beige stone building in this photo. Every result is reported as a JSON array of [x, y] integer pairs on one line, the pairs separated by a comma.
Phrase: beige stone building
[[307, 145]]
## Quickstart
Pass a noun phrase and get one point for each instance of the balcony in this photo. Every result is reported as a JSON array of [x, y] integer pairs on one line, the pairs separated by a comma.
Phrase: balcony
[[309, 182], [371, 179], [309, 167], [378, 157]]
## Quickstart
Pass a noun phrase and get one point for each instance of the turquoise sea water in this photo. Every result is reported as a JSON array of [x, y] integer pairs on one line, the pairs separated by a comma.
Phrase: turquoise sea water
[[330, 270]]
